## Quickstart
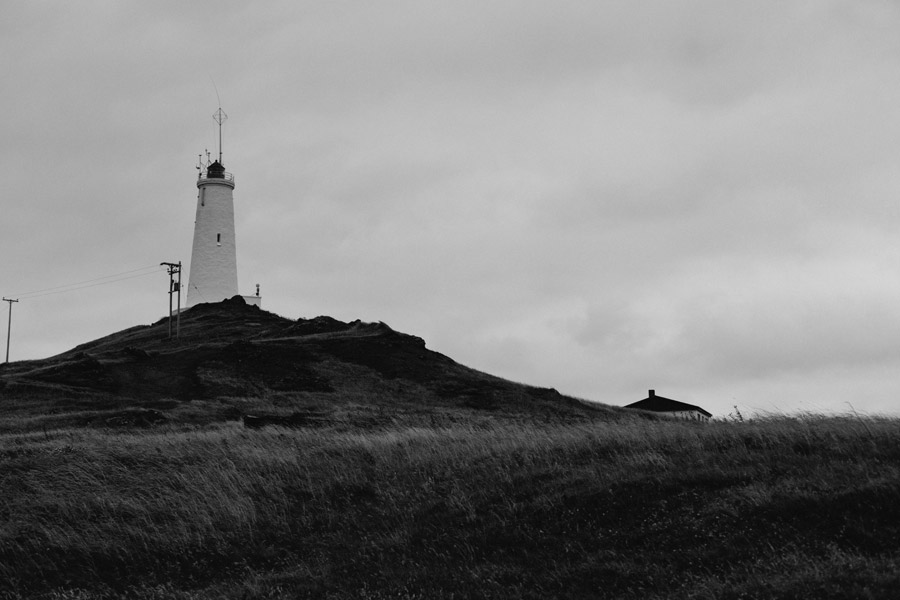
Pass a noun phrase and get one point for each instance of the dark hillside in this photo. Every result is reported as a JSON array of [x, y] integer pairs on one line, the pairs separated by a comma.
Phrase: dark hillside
[[243, 359], [261, 457]]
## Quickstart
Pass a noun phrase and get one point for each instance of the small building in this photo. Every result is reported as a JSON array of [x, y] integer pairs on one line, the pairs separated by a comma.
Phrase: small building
[[671, 408]]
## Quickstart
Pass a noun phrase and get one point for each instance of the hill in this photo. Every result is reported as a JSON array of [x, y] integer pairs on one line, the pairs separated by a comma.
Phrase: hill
[[232, 359], [127, 472]]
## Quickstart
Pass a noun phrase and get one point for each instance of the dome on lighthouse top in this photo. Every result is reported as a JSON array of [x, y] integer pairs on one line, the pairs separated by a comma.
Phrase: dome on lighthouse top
[[215, 171]]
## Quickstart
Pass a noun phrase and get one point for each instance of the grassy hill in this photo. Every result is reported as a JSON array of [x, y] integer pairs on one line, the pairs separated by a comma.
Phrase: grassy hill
[[125, 471], [232, 359]]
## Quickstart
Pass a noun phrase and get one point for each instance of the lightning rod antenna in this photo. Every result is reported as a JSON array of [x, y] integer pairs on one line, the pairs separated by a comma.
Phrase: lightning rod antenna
[[219, 117]]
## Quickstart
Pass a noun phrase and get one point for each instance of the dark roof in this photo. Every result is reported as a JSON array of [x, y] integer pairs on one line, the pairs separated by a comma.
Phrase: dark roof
[[660, 404], [216, 170]]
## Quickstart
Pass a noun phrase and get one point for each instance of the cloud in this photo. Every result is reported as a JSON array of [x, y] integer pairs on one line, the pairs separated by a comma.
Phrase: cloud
[[594, 196]]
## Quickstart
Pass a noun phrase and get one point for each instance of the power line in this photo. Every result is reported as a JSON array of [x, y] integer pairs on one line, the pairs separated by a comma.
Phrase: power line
[[156, 267], [174, 268], [71, 287], [90, 285]]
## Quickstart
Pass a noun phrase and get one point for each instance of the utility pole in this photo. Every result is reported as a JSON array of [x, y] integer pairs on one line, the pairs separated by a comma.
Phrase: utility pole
[[174, 286], [8, 325]]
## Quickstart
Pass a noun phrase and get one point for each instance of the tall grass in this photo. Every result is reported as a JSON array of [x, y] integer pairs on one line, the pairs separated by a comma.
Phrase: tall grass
[[776, 508]]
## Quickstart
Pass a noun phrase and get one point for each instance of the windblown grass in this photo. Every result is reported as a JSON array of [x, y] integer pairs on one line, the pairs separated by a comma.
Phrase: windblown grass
[[780, 508]]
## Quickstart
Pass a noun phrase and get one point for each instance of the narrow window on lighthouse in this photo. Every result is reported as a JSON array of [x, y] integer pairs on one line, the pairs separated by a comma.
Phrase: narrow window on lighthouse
[[218, 239]]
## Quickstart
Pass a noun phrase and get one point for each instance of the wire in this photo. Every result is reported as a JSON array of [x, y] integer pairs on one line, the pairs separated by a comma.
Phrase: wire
[[71, 287], [199, 292], [89, 285]]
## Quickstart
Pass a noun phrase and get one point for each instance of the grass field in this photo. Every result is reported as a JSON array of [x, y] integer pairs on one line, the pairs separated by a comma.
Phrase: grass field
[[480, 508]]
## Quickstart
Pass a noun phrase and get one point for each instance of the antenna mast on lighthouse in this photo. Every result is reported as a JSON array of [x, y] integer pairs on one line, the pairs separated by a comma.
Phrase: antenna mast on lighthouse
[[220, 117]]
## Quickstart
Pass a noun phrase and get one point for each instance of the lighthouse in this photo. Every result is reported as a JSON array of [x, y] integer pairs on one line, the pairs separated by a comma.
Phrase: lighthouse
[[213, 274]]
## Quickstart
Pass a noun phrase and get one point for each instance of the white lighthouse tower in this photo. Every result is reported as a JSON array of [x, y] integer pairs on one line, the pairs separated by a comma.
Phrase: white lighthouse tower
[[213, 275]]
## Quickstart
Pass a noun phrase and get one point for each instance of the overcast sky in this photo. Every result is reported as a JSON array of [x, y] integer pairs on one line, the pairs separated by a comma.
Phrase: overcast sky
[[599, 196]]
